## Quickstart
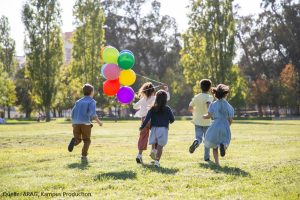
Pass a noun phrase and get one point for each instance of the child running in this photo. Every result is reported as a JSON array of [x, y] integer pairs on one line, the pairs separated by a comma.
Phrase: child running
[[82, 113], [199, 106], [218, 134], [161, 116], [147, 100]]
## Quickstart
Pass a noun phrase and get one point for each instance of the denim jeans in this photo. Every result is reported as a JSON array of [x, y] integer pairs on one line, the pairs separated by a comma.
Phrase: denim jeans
[[200, 135]]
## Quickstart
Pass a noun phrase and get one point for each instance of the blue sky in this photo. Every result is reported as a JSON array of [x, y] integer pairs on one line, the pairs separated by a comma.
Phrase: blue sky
[[176, 9]]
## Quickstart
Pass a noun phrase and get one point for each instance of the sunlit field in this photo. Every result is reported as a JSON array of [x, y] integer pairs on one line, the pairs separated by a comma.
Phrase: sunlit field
[[262, 162]]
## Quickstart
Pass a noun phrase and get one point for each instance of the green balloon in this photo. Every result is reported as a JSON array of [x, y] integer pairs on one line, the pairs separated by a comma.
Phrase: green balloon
[[110, 55], [126, 60]]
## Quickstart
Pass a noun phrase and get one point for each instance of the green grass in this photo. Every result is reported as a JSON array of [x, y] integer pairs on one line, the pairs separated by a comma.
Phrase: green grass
[[262, 162]]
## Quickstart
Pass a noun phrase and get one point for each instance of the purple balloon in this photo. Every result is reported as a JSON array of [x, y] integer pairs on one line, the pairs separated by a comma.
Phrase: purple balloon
[[125, 95]]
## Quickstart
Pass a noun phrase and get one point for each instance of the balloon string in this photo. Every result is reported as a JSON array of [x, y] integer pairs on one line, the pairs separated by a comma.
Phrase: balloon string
[[150, 79], [149, 89]]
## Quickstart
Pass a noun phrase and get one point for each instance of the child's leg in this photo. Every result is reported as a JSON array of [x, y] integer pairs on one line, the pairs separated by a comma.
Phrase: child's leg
[[86, 137], [143, 140], [216, 156], [198, 139], [162, 140], [159, 152], [77, 133], [206, 150]]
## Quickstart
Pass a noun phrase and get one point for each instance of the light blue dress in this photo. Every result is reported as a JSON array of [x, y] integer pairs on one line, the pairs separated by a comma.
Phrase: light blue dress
[[219, 131]]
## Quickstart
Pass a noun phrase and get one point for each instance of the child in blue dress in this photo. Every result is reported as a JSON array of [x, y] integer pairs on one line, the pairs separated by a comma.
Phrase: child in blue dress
[[218, 134]]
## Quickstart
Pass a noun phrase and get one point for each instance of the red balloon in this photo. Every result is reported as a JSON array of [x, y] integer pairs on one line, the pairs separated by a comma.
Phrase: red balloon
[[111, 87]]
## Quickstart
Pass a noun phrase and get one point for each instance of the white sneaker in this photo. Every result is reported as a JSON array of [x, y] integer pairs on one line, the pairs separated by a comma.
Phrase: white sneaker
[[139, 159], [156, 163], [153, 154]]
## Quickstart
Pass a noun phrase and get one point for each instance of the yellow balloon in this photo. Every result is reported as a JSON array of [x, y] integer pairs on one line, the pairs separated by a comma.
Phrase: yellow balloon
[[127, 77]]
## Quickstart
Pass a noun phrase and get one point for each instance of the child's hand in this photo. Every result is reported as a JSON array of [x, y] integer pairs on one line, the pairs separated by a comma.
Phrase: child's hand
[[205, 116], [100, 123]]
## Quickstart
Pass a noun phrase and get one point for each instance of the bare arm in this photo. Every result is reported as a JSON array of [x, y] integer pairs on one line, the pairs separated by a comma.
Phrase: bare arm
[[207, 116], [190, 109], [207, 104], [97, 120]]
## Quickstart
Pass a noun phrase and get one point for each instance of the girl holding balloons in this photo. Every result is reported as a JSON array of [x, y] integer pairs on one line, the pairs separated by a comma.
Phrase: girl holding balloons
[[147, 100]]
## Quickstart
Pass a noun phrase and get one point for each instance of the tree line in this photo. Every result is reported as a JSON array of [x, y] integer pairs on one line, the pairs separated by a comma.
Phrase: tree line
[[265, 75]]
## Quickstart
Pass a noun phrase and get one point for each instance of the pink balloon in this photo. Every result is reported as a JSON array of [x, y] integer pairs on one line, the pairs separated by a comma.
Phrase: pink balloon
[[111, 71]]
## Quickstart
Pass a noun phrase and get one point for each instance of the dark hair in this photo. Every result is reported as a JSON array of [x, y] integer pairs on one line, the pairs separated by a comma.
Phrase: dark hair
[[160, 101], [205, 85], [220, 91], [146, 90], [87, 89]]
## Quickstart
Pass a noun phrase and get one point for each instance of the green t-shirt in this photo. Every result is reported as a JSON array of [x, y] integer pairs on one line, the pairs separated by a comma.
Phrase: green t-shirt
[[199, 103]]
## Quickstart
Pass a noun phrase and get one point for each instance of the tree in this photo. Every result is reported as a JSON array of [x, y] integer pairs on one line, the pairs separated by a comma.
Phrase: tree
[[7, 47], [68, 91], [153, 38], [7, 89], [269, 42], [87, 41], [209, 41], [24, 92], [7, 51], [43, 48], [209, 48], [289, 79]]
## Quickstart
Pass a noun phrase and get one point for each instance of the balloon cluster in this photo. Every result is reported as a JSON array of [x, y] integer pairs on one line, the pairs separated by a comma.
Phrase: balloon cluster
[[118, 74]]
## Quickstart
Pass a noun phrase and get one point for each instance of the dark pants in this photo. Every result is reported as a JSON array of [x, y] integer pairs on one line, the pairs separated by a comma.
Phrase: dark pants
[[82, 132]]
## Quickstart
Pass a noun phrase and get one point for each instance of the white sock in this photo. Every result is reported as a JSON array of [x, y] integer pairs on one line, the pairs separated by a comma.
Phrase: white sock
[[139, 155]]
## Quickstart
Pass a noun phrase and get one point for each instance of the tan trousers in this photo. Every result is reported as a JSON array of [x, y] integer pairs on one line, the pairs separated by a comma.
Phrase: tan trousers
[[82, 132]]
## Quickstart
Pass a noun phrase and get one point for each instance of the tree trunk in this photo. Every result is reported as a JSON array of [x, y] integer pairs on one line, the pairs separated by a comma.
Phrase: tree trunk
[[260, 112], [54, 112], [47, 112], [27, 114], [8, 112]]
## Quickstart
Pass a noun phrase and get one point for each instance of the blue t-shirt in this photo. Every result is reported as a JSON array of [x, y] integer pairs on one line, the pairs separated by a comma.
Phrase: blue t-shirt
[[83, 110], [159, 119]]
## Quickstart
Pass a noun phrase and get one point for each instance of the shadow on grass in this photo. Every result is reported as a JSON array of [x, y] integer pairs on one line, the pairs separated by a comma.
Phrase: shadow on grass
[[81, 166], [270, 122], [162, 170], [17, 123], [123, 175], [227, 170]]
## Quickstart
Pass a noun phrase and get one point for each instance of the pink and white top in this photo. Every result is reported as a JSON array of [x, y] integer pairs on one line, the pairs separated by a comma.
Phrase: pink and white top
[[144, 105]]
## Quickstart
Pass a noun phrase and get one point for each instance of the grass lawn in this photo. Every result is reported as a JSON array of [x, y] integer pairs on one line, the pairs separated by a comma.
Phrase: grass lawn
[[262, 162]]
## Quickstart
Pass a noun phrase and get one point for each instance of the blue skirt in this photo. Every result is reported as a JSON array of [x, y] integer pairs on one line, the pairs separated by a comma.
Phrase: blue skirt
[[218, 133]]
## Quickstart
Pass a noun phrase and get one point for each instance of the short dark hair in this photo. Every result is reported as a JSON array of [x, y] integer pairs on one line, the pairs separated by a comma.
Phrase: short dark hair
[[205, 85], [87, 89], [220, 91]]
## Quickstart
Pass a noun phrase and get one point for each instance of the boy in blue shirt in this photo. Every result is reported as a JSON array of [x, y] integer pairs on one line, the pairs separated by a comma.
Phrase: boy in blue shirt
[[83, 112]]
